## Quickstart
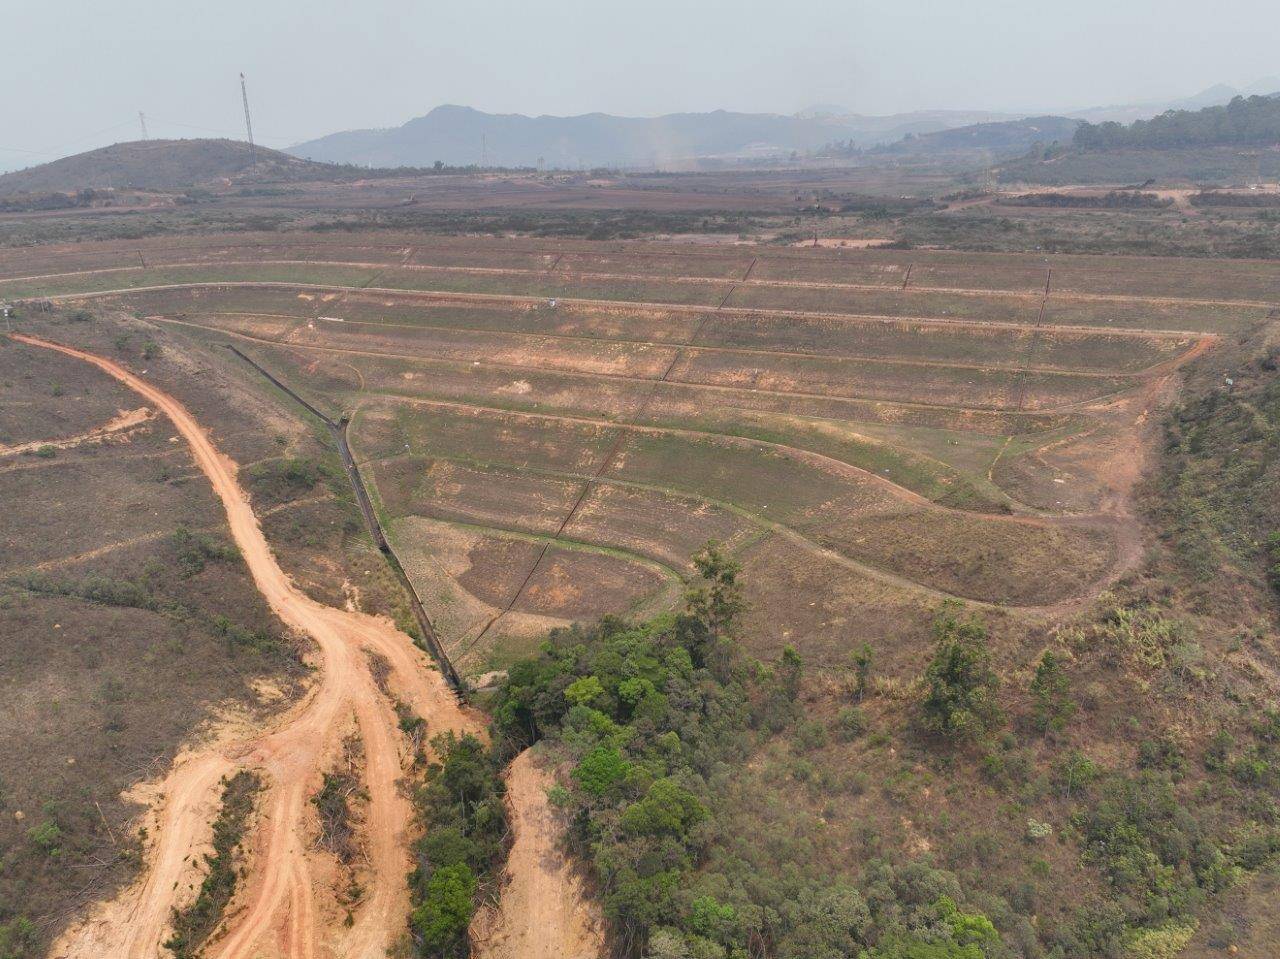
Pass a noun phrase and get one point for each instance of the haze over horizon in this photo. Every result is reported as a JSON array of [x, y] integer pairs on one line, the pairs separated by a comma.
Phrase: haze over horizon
[[330, 67]]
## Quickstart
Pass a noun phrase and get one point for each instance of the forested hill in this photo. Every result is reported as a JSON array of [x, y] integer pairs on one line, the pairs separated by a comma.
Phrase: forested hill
[[1251, 121]]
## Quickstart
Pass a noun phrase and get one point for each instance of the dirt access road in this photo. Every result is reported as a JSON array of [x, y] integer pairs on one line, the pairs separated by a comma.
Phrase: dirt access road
[[543, 913], [286, 906]]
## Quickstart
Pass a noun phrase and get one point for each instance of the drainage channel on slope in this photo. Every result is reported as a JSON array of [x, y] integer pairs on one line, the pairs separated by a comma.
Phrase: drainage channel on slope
[[338, 430]]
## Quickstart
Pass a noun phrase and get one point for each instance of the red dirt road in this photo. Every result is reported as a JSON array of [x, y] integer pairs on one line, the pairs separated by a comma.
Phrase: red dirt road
[[282, 909]]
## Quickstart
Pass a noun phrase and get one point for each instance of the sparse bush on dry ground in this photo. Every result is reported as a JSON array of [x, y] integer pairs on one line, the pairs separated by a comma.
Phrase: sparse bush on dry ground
[[653, 719], [114, 659], [193, 924], [1089, 792], [1237, 231], [1229, 233], [1092, 798], [64, 822]]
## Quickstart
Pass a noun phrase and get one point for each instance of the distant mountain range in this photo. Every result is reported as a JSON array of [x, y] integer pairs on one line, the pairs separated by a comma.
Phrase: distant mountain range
[[459, 136]]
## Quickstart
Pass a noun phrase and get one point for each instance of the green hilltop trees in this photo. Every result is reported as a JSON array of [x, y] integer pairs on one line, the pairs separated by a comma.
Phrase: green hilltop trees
[[1251, 121]]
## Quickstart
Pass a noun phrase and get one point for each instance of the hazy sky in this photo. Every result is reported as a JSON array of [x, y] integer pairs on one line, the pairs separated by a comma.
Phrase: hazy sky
[[76, 74]]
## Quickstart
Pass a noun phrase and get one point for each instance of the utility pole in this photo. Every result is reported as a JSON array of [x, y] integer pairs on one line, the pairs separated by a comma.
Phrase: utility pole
[[248, 124], [484, 150], [142, 119]]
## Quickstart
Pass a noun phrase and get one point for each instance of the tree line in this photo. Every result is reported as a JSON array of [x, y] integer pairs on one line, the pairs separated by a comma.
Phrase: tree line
[[1251, 121]]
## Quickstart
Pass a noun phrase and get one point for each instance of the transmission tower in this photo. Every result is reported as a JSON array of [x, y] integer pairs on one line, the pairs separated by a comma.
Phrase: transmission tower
[[484, 150], [248, 124], [142, 119]]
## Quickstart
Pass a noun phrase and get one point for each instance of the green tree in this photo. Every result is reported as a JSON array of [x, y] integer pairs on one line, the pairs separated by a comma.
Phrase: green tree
[[441, 920], [1075, 772], [955, 935], [1052, 705], [584, 691], [601, 770], [717, 601], [960, 685], [668, 809], [790, 672]]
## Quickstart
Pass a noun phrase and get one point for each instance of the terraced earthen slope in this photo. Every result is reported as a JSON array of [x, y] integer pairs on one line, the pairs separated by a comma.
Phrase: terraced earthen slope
[[551, 427], [550, 430]]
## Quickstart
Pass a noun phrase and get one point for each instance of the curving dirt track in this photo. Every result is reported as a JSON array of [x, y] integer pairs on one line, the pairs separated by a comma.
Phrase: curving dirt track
[[118, 426], [283, 909]]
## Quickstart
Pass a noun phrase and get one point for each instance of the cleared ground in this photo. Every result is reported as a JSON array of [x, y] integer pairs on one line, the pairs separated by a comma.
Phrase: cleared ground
[[549, 431], [551, 428], [126, 620]]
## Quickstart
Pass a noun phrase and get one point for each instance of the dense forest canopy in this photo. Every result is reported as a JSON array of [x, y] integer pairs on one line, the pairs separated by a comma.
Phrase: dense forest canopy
[[1252, 121]]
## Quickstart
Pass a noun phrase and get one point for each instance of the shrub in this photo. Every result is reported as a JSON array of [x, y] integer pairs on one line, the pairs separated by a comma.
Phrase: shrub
[[195, 550], [18, 939], [1147, 634], [851, 722], [1258, 849], [1217, 753], [960, 685], [46, 835], [1157, 859], [1162, 753], [1053, 706], [1037, 830], [811, 735], [285, 480], [440, 921], [1164, 942]]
